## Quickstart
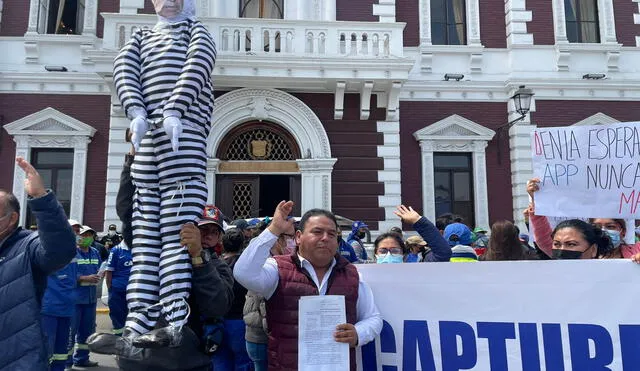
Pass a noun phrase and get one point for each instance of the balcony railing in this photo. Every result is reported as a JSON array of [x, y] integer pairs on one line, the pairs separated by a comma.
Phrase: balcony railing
[[244, 36]]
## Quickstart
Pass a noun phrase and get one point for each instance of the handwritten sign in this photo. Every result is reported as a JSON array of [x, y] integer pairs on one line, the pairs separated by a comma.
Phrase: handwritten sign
[[591, 171]]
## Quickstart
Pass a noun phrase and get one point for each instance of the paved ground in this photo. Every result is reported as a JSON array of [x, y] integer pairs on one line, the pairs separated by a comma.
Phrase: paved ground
[[105, 362]]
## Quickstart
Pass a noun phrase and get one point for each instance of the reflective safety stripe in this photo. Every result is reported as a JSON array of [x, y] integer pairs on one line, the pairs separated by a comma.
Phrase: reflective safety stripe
[[117, 331], [82, 346], [59, 357], [88, 261], [462, 260]]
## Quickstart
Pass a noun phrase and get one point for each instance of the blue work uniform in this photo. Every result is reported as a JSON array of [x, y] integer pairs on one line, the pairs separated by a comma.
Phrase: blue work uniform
[[119, 264], [84, 320], [58, 305]]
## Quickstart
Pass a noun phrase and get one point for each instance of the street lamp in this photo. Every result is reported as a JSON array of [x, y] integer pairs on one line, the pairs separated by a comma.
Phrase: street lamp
[[522, 101]]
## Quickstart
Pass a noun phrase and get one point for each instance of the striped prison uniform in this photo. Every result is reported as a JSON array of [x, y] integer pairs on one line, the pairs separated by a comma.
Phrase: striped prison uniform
[[166, 72]]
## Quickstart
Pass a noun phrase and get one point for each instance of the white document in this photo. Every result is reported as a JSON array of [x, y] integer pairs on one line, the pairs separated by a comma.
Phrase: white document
[[318, 317]]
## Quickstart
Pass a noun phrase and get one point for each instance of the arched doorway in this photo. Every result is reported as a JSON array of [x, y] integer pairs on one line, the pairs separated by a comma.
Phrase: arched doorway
[[257, 170], [294, 122]]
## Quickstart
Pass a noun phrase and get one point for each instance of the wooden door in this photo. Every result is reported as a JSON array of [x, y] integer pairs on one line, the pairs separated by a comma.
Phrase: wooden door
[[238, 196]]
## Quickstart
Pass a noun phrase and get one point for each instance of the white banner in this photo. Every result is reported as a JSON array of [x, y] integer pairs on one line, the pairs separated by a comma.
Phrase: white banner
[[591, 171], [527, 315]]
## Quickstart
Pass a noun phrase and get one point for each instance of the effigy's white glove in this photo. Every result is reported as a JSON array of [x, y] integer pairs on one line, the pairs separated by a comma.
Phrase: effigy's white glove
[[138, 128], [173, 127]]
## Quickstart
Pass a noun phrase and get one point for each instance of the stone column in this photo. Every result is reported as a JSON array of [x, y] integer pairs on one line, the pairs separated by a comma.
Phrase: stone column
[[316, 183]]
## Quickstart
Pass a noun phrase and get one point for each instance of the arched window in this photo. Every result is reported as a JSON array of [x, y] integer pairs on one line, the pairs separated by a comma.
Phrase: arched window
[[262, 9], [259, 142]]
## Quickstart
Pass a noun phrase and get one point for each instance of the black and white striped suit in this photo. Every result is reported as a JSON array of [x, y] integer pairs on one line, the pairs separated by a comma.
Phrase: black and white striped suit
[[160, 73]]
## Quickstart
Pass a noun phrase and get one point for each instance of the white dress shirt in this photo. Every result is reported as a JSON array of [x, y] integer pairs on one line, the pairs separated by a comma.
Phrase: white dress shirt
[[257, 271]]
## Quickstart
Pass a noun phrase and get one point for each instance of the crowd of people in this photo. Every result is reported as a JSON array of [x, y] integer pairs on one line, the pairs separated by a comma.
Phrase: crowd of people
[[246, 323]]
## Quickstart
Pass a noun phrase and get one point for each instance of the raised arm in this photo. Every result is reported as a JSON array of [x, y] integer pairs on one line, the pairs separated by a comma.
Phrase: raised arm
[[254, 270], [540, 224], [439, 246], [55, 246]]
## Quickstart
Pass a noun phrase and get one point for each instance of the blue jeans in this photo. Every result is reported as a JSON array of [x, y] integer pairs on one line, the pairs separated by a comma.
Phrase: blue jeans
[[258, 354], [232, 354]]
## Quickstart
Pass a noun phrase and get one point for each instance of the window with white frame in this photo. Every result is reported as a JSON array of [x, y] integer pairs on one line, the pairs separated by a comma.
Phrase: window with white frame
[[581, 19], [61, 16], [454, 170], [448, 22], [55, 166], [453, 184], [584, 21]]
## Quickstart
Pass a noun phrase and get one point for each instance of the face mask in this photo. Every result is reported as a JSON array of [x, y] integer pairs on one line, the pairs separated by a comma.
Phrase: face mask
[[111, 233], [615, 237], [567, 254], [361, 235], [84, 241], [291, 246], [389, 258]]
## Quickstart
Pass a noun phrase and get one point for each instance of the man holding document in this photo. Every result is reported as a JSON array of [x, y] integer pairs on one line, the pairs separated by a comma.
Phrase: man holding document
[[313, 269]]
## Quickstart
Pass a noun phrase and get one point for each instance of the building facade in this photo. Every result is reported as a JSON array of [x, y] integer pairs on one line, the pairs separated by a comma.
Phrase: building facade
[[353, 105]]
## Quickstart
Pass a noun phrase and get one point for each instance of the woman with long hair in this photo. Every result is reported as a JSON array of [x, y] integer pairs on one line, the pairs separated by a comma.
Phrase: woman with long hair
[[504, 243]]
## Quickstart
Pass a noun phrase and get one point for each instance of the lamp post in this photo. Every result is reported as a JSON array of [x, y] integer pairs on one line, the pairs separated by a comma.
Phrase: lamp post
[[522, 101]]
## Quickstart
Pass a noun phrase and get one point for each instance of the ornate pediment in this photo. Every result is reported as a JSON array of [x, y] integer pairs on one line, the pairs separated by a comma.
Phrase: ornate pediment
[[49, 122], [454, 127], [597, 119]]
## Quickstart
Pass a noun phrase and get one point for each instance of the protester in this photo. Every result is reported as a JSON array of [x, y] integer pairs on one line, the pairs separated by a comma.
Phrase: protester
[[389, 249], [58, 305], [397, 230], [346, 250], [75, 226], [524, 240], [577, 239], [84, 319], [505, 244], [242, 225], [232, 353], [358, 232], [463, 254], [440, 251], [316, 269], [117, 276], [417, 249], [255, 310], [614, 228], [28, 258], [481, 240], [457, 234], [112, 238]]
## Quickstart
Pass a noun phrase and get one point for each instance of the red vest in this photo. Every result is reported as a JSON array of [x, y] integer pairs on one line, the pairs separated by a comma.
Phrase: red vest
[[282, 307]]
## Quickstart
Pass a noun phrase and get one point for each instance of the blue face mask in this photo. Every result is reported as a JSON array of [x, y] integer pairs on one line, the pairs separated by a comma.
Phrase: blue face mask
[[389, 258], [615, 237]]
